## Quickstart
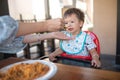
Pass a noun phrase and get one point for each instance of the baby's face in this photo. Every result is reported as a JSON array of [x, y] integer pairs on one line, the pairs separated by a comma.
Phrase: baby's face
[[72, 24]]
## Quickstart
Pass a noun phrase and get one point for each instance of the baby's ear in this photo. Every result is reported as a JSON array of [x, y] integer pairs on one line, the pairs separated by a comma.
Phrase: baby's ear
[[81, 24]]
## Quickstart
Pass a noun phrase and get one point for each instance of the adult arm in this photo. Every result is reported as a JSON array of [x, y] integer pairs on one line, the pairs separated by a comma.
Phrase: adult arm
[[48, 25], [38, 37]]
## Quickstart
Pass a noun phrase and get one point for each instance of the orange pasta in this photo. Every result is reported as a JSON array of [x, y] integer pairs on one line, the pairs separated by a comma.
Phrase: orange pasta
[[25, 71]]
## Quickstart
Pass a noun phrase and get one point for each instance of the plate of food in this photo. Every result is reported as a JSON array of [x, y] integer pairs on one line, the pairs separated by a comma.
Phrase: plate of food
[[29, 70]]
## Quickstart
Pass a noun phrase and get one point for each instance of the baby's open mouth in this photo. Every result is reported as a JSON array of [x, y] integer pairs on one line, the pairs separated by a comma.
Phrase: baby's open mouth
[[70, 29]]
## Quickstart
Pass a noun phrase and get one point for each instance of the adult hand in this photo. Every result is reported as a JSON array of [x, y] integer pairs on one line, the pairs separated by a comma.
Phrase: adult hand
[[61, 35], [55, 24]]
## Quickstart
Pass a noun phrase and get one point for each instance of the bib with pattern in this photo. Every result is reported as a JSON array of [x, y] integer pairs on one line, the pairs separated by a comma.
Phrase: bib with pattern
[[73, 46]]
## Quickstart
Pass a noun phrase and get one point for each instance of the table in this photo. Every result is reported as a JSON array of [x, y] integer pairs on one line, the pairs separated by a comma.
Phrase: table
[[66, 72]]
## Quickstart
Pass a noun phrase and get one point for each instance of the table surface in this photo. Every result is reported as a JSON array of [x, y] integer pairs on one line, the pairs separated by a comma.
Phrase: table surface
[[66, 72]]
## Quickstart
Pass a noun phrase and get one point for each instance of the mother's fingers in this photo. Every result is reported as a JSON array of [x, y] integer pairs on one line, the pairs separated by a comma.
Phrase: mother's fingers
[[62, 24]]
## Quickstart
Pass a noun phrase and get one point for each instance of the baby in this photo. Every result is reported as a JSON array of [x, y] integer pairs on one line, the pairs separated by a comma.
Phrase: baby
[[82, 45]]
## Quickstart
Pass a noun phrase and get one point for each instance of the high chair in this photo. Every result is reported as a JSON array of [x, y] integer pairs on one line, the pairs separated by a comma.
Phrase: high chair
[[84, 58]]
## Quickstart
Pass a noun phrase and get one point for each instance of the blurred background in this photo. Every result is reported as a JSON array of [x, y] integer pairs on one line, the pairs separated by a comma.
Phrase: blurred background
[[101, 16]]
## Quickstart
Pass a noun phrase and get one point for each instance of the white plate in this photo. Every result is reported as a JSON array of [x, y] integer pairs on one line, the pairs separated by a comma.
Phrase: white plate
[[47, 76]]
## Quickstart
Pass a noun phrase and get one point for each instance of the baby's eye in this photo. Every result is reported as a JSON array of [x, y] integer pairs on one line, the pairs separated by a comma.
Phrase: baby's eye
[[72, 21], [65, 23]]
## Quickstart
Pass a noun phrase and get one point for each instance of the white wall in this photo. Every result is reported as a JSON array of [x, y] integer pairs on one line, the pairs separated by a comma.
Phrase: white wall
[[28, 8], [18, 7], [105, 20]]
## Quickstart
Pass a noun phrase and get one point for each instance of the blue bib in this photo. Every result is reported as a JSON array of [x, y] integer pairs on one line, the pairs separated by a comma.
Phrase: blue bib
[[73, 46]]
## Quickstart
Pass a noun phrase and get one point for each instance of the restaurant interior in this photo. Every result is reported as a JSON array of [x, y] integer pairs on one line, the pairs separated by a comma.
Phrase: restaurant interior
[[101, 17]]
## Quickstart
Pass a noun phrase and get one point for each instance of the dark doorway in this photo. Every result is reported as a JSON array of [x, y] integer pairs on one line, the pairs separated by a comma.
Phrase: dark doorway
[[118, 33], [3, 11], [4, 7]]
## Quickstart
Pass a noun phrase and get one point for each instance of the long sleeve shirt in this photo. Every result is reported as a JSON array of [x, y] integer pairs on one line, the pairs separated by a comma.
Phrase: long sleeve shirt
[[9, 43]]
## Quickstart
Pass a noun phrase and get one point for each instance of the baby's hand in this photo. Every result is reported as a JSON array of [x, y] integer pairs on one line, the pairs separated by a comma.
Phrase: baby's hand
[[52, 57], [96, 62]]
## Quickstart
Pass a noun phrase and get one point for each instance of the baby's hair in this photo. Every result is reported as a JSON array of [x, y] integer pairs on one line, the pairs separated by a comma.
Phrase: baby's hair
[[76, 11]]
